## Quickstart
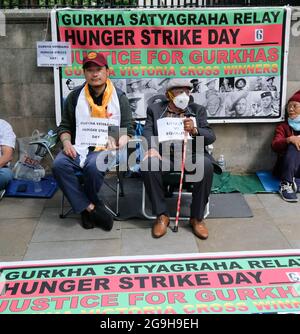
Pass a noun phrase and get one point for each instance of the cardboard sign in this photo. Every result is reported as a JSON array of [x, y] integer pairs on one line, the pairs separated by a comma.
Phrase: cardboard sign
[[94, 131], [171, 128]]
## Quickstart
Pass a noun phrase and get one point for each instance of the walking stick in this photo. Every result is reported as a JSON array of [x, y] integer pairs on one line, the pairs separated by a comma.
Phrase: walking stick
[[188, 113], [175, 228]]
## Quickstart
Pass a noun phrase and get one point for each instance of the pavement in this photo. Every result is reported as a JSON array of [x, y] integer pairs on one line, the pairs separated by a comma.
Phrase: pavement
[[32, 230]]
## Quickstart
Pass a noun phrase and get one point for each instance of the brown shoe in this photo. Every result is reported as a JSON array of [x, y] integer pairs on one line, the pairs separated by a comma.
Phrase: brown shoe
[[199, 228], [160, 226]]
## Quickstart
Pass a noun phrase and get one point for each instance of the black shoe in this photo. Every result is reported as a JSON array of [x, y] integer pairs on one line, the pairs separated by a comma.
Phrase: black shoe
[[102, 217], [86, 221]]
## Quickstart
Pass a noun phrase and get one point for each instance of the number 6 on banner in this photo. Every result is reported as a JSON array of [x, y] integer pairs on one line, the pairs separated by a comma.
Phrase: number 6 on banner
[[259, 35]]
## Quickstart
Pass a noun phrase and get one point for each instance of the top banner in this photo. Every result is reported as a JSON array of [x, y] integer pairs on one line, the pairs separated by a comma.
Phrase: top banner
[[234, 58]]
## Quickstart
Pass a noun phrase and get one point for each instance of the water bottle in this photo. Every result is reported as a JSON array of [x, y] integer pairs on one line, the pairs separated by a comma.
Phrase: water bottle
[[221, 162], [22, 171]]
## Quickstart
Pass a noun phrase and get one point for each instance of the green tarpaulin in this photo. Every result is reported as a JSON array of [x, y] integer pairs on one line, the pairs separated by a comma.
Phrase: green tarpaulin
[[245, 184]]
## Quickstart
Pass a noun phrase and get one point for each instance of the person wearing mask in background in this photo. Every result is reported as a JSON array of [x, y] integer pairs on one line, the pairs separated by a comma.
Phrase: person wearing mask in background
[[286, 143]]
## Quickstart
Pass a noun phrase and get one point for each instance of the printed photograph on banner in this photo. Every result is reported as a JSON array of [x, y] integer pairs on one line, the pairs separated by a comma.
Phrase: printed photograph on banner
[[137, 105]]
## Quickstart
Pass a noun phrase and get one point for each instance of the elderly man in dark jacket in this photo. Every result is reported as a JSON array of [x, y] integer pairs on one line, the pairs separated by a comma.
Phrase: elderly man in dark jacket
[[176, 105]]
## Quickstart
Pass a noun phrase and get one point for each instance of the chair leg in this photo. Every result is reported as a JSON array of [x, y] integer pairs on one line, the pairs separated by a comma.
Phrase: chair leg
[[120, 182], [206, 213], [147, 216], [62, 213]]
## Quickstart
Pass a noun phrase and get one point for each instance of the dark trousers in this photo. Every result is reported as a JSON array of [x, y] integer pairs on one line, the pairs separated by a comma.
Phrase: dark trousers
[[153, 181], [80, 194], [290, 164]]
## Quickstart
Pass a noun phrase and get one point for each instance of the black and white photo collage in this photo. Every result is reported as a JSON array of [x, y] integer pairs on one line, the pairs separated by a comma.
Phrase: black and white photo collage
[[228, 97]]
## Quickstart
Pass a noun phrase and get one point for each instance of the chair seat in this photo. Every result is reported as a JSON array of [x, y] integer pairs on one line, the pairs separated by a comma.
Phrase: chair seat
[[171, 182]]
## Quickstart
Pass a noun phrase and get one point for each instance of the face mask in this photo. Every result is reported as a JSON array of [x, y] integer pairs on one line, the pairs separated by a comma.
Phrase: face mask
[[294, 123], [181, 101]]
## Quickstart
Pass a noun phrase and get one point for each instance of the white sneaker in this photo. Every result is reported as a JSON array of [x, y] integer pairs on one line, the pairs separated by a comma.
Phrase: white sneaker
[[287, 192]]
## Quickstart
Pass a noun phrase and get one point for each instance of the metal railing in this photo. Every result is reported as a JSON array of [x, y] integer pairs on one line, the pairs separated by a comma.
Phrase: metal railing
[[10, 4]]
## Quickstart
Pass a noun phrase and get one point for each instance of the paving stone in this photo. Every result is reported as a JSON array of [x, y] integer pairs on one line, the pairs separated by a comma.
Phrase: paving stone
[[11, 258], [19, 207], [136, 223], [55, 201], [242, 235], [141, 242], [53, 228], [73, 249], [277, 207], [292, 233], [253, 201], [15, 236]]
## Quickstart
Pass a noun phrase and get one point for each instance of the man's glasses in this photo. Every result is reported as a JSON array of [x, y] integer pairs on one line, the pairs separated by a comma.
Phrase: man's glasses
[[293, 105]]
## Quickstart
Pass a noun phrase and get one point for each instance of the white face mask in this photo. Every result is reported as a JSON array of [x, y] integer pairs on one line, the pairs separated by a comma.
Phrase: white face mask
[[181, 101]]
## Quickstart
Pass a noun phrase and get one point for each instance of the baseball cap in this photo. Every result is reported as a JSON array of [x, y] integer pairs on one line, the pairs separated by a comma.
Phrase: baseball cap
[[177, 82], [94, 58]]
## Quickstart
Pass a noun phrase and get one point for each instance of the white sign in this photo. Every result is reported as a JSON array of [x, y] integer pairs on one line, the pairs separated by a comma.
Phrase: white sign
[[171, 128], [94, 131], [53, 54]]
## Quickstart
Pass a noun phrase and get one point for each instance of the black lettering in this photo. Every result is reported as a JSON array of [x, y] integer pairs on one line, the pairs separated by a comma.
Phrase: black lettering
[[126, 283]]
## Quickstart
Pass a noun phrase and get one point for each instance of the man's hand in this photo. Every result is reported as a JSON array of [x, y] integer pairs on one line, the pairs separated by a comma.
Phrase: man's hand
[[68, 149], [189, 126], [295, 140], [152, 153], [123, 140], [111, 143]]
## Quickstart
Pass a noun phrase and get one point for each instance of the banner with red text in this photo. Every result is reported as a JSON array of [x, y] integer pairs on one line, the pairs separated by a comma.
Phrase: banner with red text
[[235, 58], [211, 283]]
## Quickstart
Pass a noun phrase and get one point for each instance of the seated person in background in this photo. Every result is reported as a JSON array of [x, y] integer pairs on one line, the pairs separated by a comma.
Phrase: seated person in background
[[7, 146], [96, 98], [286, 143], [178, 100]]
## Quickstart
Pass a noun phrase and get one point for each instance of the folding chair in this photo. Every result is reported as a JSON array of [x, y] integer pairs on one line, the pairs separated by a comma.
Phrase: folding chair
[[118, 189], [170, 181], [45, 144]]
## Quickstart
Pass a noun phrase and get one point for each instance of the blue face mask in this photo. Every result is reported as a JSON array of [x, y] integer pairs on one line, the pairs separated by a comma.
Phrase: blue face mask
[[294, 123]]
